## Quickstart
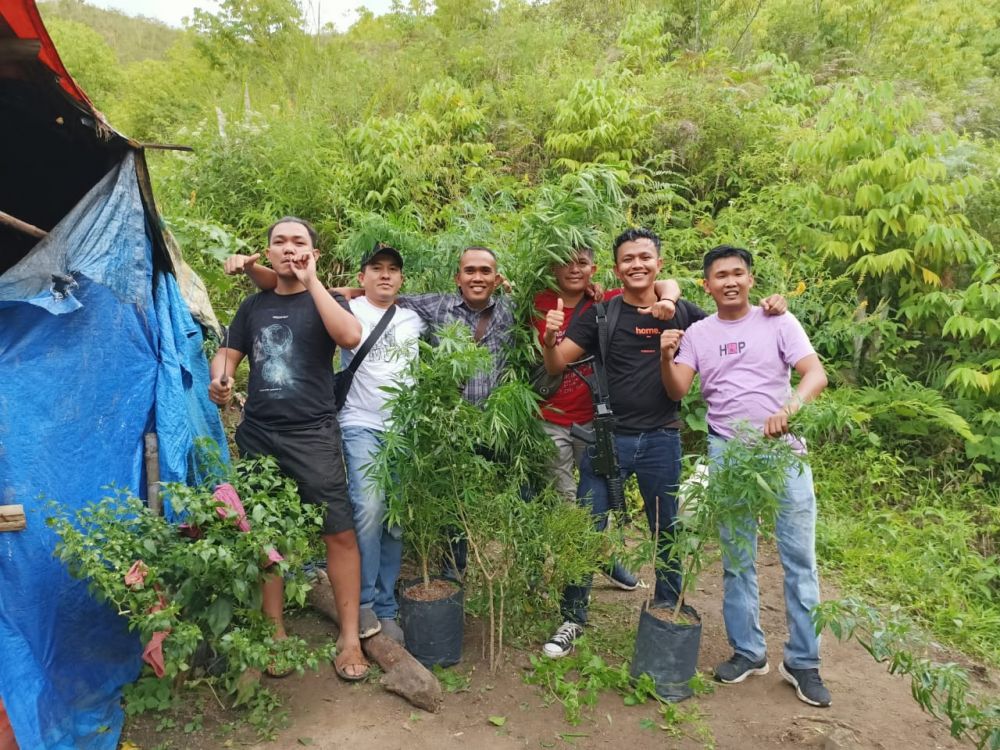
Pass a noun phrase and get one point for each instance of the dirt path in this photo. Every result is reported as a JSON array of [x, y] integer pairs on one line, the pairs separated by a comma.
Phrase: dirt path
[[871, 709]]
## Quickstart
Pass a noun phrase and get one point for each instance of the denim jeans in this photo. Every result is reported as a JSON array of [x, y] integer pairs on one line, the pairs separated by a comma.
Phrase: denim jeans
[[381, 547], [655, 459], [795, 531]]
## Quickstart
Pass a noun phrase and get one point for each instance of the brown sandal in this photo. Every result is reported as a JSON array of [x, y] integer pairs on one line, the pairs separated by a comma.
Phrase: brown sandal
[[343, 674]]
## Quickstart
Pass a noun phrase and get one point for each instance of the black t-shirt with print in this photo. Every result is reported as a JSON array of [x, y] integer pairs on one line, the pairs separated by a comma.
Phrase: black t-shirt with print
[[291, 359], [638, 399]]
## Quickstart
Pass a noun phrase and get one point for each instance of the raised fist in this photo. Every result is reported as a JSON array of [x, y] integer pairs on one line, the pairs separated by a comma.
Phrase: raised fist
[[670, 342]]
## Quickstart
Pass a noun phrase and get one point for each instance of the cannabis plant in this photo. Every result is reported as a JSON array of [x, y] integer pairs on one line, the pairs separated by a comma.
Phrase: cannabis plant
[[743, 488]]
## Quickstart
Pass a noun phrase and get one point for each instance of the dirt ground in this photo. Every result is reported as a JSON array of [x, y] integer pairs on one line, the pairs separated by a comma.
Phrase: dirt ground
[[871, 709]]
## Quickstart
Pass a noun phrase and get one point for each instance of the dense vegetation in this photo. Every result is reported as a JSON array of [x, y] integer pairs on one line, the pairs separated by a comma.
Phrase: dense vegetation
[[852, 145]]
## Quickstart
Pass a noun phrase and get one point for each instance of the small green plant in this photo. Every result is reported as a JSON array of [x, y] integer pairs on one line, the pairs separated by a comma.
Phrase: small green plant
[[941, 689], [577, 681], [452, 681], [680, 722], [199, 583], [743, 486]]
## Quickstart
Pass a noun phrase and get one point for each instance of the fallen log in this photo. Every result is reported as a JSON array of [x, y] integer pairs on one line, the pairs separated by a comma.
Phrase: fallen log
[[402, 674]]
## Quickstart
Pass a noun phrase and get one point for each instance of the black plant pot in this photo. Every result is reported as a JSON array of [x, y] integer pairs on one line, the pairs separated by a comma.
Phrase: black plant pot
[[433, 629], [668, 652]]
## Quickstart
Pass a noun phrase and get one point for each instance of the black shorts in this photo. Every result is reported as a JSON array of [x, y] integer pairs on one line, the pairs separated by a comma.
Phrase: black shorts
[[314, 458]]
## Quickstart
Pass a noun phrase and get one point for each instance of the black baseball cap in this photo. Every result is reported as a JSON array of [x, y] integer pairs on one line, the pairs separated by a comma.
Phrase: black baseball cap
[[381, 248]]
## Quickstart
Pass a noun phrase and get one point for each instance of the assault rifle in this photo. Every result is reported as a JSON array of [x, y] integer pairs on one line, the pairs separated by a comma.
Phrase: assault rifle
[[602, 436]]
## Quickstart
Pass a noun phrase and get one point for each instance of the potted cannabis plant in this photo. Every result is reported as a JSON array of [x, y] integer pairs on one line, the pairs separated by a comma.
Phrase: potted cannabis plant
[[744, 482], [430, 459]]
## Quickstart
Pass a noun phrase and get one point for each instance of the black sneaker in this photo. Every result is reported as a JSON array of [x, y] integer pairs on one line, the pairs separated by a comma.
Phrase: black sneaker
[[561, 643], [621, 578], [737, 668], [368, 624], [808, 685]]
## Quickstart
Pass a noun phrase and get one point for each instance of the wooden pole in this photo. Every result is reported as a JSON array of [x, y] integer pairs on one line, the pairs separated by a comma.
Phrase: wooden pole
[[22, 226], [12, 518], [153, 500], [402, 674]]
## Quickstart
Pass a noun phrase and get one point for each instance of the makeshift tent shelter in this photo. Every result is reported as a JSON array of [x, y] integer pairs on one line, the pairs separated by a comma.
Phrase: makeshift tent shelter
[[98, 348]]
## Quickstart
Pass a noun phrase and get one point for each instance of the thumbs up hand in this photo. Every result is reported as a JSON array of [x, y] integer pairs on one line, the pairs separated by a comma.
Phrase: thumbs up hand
[[554, 320]]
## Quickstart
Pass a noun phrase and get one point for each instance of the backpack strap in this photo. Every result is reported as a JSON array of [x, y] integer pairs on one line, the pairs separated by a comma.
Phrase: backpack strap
[[607, 320], [614, 312]]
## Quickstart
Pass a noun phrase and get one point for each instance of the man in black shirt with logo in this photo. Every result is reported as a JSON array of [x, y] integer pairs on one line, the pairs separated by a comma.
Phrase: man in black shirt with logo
[[289, 334], [647, 423]]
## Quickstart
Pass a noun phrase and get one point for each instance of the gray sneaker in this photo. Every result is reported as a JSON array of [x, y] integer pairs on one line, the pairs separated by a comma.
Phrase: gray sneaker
[[368, 624], [737, 668], [621, 577], [391, 628], [808, 685]]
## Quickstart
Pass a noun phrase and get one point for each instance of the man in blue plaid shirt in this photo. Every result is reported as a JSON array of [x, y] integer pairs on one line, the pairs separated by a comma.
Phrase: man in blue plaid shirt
[[489, 318]]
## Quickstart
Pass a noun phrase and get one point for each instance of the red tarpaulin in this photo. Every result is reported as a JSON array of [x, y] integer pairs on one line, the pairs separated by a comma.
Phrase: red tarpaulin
[[24, 21]]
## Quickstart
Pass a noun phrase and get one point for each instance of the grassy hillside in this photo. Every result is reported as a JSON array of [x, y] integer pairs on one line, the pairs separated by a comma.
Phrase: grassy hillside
[[131, 38]]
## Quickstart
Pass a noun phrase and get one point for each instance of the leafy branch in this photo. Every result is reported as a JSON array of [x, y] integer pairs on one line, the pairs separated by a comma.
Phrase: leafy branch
[[941, 689]]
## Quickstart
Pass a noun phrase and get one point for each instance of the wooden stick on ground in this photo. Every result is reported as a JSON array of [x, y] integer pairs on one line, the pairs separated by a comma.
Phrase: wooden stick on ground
[[12, 518], [403, 675], [22, 226]]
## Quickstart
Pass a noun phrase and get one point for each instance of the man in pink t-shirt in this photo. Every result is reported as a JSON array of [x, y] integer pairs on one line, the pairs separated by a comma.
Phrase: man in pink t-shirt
[[745, 359]]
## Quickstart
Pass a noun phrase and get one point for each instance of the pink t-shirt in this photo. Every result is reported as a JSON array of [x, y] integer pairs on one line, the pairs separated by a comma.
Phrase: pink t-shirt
[[744, 365]]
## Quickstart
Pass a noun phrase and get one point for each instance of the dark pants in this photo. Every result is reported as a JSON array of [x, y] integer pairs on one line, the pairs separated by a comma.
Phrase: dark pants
[[313, 458], [655, 459]]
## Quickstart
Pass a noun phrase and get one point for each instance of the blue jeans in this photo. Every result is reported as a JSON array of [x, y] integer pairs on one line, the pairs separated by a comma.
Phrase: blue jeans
[[381, 547], [655, 459], [795, 531]]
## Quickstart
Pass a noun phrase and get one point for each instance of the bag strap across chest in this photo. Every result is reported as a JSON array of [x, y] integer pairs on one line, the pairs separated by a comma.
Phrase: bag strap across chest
[[372, 338]]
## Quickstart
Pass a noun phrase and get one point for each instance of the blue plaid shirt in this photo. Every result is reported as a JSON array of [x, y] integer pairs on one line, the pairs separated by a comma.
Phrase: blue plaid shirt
[[442, 309]]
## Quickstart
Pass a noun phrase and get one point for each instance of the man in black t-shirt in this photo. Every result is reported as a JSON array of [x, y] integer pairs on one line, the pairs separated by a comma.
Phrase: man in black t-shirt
[[290, 334], [647, 424]]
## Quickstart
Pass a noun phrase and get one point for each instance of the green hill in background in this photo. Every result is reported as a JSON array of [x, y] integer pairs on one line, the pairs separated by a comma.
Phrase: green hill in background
[[132, 38]]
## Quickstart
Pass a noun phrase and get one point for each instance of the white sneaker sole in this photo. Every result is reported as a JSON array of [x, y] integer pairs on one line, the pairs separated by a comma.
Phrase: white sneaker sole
[[619, 585], [556, 654], [795, 683], [370, 631], [750, 672]]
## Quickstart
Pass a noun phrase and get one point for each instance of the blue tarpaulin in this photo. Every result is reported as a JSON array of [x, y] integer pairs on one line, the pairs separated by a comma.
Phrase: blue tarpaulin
[[96, 349]]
